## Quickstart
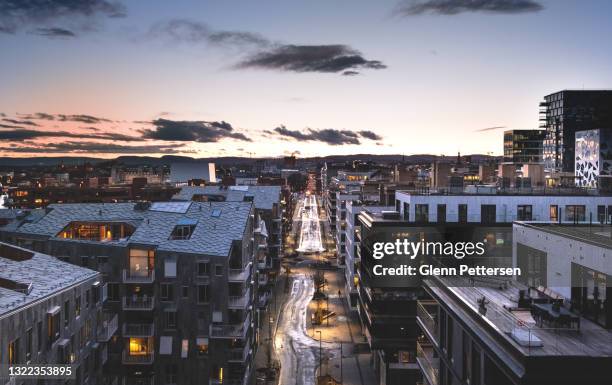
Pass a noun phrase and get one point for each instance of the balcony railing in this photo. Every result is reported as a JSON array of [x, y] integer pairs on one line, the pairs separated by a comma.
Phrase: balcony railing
[[430, 366], [230, 330], [239, 301], [140, 359], [239, 275], [132, 277], [138, 302], [239, 354], [427, 315], [138, 330], [108, 327]]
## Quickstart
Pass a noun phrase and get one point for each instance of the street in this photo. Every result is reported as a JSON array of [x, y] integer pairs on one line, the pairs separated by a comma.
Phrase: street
[[297, 343]]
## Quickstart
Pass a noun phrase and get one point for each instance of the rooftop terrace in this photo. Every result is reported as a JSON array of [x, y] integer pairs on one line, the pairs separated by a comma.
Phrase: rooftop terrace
[[503, 318]]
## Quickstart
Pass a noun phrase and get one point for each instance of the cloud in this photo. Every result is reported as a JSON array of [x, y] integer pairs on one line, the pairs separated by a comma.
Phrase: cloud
[[455, 7], [191, 31], [370, 135], [82, 118], [329, 136], [190, 130], [54, 32], [262, 53], [490, 128], [45, 14], [20, 133], [38, 115], [98, 148], [20, 122], [310, 58]]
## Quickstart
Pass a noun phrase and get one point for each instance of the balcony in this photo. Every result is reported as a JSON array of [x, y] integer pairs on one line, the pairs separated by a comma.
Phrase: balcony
[[239, 354], [230, 330], [427, 318], [430, 365], [239, 275], [239, 301], [139, 359], [133, 277], [141, 303], [138, 330], [108, 327]]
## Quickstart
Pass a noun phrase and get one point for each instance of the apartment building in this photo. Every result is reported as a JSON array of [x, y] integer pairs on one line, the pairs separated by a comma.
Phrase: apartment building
[[352, 263], [573, 261], [549, 326], [51, 312], [180, 275], [269, 207], [488, 205], [565, 112]]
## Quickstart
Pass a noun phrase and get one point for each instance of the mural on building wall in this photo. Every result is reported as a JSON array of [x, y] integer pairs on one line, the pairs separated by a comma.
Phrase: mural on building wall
[[593, 157]]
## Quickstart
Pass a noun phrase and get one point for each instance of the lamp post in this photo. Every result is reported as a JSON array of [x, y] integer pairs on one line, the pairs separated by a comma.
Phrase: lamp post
[[320, 353]]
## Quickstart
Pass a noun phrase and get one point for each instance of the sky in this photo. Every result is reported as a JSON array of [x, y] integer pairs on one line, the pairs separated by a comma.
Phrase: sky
[[269, 78]]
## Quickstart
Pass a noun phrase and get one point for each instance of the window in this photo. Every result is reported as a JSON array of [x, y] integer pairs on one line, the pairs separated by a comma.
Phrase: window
[[39, 335], [463, 213], [575, 213], [466, 359], [449, 338], [203, 294], [29, 345], [13, 352], [406, 212], [167, 291], [601, 214], [202, 269], [113, 291], [554, 213], [185, 291], [85, 261], [66, 313], [182, 231], [488, 214], [77, 307], [421, 213], [184, 348], [218, 270], [87, 299], [53, 326], [475, 372], [523, 212], [171, 319], [171, 374], [441, 214], [202, 346]]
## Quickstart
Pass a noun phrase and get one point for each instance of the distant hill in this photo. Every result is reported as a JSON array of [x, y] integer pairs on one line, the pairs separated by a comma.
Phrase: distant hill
[[8, 162]]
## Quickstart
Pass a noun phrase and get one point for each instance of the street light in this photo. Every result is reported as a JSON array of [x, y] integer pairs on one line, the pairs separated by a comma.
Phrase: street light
[[320, 353]]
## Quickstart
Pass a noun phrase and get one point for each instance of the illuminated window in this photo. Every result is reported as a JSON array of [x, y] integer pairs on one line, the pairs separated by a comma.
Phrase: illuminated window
[[138, 346], [202, 346]]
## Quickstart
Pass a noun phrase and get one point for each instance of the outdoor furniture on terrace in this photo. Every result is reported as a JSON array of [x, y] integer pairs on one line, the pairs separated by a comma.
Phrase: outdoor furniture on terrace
[[560, 317]]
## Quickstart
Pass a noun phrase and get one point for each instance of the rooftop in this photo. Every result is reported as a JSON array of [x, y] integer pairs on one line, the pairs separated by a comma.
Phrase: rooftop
[[597, 234], [27, 276], [503, 318], [218, 224], [491, 190], [264, 197]]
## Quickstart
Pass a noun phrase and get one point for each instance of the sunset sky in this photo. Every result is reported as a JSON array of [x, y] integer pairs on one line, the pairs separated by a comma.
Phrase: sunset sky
[[266, 78]]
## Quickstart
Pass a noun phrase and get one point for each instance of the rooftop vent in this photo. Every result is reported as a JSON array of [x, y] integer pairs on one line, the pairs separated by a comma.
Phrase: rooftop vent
[[14, 253], [216, 213], [20, 287], [142, 206]]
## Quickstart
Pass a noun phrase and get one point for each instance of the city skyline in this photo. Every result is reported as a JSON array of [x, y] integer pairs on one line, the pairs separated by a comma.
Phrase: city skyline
[[207, 79]]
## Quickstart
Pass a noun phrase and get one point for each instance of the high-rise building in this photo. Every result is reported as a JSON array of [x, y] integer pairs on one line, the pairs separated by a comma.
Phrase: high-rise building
[[181, 276], [523, 146], [565, 112]]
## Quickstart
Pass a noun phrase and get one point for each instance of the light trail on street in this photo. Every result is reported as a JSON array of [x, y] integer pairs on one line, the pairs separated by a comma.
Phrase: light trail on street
[[310, 231]]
